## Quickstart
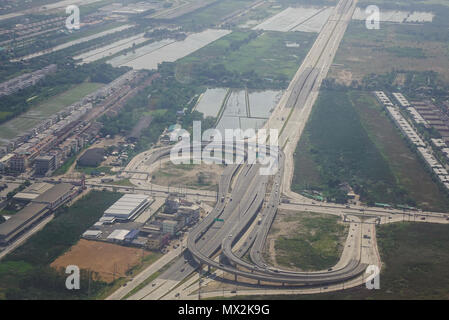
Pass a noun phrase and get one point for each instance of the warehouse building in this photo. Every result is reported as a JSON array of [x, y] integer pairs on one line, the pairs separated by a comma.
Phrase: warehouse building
[[56, 196], [21, 221], [32, 192], [33, 212], [118, 235], [127, 207]]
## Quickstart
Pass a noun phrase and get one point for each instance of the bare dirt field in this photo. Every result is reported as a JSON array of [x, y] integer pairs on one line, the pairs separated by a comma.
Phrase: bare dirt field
[[101, 258], [203, 177]]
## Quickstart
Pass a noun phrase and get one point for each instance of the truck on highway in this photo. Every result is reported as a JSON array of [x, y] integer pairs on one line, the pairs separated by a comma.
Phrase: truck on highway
[[259, 221]]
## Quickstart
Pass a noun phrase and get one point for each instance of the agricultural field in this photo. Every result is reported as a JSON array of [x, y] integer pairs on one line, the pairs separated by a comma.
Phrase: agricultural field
[[245, 109], [148, 57], [305, 19], [211, 101], [266, 55], [404, 47], [396, 16], [305, 241], [111, 49], [212, 15], [46, 108], [76, 41], [349, 139]]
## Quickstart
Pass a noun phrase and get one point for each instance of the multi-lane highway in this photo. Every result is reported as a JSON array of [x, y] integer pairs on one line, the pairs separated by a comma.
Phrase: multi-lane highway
[[241, 221]]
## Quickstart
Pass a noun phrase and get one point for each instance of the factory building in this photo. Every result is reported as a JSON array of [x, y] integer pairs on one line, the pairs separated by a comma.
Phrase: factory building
[[56, 196], [127, 207], [42, 205], [21, 222], [32, 192]]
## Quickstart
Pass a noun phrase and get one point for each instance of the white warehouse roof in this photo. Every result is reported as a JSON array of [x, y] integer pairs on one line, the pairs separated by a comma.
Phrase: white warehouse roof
[[127, 206], [118, 234]]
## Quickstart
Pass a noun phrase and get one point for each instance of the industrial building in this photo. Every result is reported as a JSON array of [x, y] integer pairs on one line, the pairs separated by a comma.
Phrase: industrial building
[[21, 221], [56, 196], [32, 192], [128, 206], [33, 212], [118, 235]]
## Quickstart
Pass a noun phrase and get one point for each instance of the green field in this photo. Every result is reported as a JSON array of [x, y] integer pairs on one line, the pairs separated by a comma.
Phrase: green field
[[415, 259], [44, 109], [25, 273], [264, 54], [315, 243], [349, 139], [212, 15], [404, 47]]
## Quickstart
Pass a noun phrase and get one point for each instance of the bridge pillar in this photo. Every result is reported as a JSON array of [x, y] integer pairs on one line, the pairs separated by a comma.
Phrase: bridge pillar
[[208, 268], [258, 282], [235, 277]]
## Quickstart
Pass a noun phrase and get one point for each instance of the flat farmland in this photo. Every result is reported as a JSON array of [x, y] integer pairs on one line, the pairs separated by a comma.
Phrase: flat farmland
[[211, 102], [403, 47], [109, 261], [306, 19], [268, 55], [148, 57]]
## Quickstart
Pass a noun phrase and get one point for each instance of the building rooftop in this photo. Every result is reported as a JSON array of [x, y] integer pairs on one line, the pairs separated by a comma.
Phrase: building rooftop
[[21, 218], [54, 193]]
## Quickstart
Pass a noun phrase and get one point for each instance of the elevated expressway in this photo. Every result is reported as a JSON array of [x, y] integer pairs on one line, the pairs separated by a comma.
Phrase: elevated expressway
[[243, 198], [248, 195]]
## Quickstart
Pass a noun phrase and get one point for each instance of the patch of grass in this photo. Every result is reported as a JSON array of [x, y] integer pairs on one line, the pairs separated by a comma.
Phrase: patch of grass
[[349, 139], [415, 258], [315, 244], [90, 170], [410, 174], [266, 55]]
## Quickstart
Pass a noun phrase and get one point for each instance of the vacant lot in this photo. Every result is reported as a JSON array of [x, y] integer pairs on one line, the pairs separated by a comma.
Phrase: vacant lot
[[306, 241], [415, 258], [105, 260], [404, 47], [267, 55], [203, 177], [349, 139]]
